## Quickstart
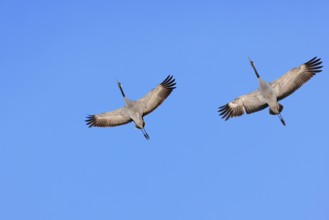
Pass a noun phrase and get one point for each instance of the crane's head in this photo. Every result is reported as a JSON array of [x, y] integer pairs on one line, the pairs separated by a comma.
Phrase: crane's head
[[119, 83]]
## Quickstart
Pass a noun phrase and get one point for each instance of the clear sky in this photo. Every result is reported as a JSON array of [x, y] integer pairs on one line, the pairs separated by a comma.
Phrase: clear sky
[[59, 62]]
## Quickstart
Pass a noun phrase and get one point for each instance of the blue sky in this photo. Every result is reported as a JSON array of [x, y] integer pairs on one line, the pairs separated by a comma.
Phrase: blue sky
[[60, 61]]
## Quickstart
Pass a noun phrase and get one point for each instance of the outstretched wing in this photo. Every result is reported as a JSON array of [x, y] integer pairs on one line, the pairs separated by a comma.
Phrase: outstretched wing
[[109, 119], [156, 96], [248, 103], [295, 78]]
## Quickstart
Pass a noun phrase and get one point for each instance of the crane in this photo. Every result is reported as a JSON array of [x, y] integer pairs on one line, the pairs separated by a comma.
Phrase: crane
[[268, 94], [134, 110]]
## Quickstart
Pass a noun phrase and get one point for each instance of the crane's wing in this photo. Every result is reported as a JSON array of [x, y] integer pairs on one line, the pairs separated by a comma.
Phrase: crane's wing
[[295, 78], [109, 119], [248, 103], [157, 95]]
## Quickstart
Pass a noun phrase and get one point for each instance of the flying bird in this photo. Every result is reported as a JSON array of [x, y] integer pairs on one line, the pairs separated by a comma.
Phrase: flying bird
[[134, 110], [268, 94]]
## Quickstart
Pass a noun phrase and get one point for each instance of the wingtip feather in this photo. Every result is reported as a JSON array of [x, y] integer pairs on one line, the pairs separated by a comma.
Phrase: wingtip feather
[[169, 82], [90, 120], [314, 65]]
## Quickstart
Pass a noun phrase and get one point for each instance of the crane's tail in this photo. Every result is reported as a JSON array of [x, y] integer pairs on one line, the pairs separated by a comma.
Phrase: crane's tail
[[145, 134], [280, 110]]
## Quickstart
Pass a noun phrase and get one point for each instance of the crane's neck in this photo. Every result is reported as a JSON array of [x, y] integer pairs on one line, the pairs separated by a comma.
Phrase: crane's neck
[[120, 87], [123, 94], [253, 66], [262, 84]]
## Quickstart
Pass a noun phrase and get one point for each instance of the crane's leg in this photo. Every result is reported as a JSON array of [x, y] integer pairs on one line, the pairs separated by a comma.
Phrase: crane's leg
[[281, 119], [145, 134]]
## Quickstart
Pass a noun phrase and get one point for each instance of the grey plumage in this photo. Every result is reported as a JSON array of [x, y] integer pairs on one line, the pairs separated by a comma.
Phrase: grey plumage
[[269, 94], [134, 110]]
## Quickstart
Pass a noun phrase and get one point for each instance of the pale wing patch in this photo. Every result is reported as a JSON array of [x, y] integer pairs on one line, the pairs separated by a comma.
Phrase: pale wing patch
[[109, 119], [156, 96], [249, 103], [295, 78]]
